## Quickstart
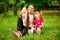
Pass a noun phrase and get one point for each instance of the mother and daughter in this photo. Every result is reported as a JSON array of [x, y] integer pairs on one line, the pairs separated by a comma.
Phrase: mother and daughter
[[30, 21]]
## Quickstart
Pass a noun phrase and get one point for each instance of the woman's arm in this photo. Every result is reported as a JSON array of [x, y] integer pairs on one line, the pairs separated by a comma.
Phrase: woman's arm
[[19, 24]]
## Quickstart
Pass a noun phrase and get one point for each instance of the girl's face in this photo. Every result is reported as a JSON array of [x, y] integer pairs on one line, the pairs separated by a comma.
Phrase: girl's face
[[37, 15]]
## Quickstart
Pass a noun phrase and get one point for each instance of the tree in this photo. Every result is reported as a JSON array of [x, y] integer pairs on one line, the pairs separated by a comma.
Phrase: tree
[[38, 3], [1, 6], [52, 4], [5, 6], [59, 4], [15, 8]]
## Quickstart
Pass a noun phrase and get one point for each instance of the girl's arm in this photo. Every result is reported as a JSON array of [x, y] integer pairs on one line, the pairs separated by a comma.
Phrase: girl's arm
[[42, 22], [41, 25]]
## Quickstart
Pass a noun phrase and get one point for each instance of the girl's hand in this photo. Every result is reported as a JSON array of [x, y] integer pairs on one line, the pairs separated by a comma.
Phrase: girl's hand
[[40, 26]]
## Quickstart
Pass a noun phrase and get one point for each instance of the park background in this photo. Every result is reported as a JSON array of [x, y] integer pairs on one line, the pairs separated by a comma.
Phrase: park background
[[10, 11]]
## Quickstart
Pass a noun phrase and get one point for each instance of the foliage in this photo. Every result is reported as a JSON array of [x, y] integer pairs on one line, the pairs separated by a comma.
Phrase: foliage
[[20, 4], [40, 4], [1, 7]]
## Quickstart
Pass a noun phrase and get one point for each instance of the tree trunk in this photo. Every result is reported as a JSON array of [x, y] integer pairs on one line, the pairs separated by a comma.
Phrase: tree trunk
[[59, 4], [5, 6], [15, 8]]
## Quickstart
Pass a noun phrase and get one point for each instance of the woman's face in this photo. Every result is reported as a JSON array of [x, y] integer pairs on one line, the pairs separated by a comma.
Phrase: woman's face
[[31, 9]]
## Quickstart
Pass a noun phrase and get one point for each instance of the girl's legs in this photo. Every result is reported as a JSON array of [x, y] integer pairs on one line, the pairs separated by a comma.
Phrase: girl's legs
[[25, 31], [38, 30], [20, 28], [19, 33]]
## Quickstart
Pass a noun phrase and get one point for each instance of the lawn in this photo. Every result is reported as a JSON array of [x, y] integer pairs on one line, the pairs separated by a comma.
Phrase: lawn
[[51, 28]]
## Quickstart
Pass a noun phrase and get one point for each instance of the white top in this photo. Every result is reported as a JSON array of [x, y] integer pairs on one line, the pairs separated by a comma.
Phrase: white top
[[24, 17], [31, 20]]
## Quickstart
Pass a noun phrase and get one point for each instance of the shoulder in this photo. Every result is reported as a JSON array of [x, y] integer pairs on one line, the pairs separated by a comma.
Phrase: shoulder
[[42, 19]]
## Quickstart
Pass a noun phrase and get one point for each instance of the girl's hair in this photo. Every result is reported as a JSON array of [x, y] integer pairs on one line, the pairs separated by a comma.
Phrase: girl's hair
[[24, 8], [41, 16]]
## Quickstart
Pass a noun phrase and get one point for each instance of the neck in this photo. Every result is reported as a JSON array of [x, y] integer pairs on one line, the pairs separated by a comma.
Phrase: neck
[[37, 18]]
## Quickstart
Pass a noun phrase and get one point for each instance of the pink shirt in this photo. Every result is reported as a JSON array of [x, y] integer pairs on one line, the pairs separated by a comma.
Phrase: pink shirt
[[38, 22]]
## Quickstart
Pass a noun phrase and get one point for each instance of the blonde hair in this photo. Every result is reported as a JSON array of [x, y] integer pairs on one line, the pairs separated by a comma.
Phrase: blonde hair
[[22, 11], [40, 14], [24, 8]]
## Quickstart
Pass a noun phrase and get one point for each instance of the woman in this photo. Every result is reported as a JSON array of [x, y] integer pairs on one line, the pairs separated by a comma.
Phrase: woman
[[23, 29]]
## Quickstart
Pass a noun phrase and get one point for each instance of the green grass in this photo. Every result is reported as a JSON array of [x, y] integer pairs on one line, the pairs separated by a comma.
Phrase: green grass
[[51, 28]]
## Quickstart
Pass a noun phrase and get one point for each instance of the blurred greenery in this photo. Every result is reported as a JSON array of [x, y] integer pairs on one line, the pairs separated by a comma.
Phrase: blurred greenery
[[40, 4], [8, 19]]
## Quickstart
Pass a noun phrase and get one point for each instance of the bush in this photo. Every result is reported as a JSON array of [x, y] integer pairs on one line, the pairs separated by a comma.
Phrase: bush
[[1, 7]]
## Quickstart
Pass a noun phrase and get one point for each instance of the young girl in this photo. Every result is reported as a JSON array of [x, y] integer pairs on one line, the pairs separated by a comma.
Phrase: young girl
[[38, 22], [22, 23]]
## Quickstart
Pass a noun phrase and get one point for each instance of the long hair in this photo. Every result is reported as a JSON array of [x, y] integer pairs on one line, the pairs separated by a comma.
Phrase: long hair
[[27, 21], [41, 15], [22, 11]]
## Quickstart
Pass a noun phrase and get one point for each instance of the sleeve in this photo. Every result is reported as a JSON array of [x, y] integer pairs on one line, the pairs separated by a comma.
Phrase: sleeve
[[19, 24], [42, 20]]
